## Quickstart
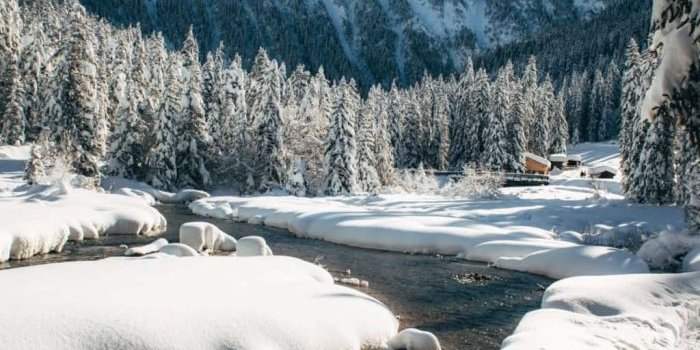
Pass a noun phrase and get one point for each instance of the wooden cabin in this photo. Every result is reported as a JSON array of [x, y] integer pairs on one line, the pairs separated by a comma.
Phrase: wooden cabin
[[602, 172], [535, 164], [574, 161], [558, 160]]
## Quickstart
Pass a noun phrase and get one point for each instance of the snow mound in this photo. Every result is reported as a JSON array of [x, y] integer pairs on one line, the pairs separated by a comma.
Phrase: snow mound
[[203, 236], [127, 187], [491, 251], [148, 248], [558, 157], [691, 262], [42, 219], [414, 339], [250, 304], [253, 246], [651, 311], [576, 261], [178, 249]]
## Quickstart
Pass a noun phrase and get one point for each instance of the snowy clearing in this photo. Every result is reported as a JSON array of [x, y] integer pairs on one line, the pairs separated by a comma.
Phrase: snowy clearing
[[650, 311], [518, 231], [163, 303]]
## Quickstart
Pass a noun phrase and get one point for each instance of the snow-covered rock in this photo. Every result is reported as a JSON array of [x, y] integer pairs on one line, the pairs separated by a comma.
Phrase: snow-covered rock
[[203, 236], [187, 303], [576, 261], [148, 248], [650, 311], [178, 249], [133, 188], [253, 246], [572, 236], [491, 251], [691, 262], [414, 339]]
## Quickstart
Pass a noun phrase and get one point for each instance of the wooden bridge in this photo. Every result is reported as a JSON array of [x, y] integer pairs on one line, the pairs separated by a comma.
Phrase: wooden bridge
[[509, 179]]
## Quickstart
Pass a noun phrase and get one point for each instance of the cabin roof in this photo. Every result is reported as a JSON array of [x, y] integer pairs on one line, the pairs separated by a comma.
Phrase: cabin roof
[[574, 158], [537, 159], [558, 157], [602, 169]]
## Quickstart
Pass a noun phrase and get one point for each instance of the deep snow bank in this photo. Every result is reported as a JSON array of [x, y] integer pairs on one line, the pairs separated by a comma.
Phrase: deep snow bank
[[118, 185], [42, 219], [271, 303], [650, 311], [364, 223]]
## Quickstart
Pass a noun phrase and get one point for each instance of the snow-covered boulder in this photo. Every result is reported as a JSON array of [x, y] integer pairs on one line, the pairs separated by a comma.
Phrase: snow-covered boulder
[[178, 249], [253, 246], [572, 236], [133, 188], [203, 236], [148, 248], [691, 262], [491, 251], [414, 339], [187, 303], [647, 311], [576, 261]]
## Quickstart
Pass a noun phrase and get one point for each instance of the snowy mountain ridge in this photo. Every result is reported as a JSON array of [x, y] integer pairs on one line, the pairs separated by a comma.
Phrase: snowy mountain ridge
[[375, 41]]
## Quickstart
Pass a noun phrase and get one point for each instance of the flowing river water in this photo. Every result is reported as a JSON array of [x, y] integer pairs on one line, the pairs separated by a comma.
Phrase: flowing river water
[[467, 305]]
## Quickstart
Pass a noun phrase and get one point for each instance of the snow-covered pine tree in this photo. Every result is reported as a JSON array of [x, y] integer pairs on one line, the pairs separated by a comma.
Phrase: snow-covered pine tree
[[126, 152], [530, 98], [367, 177], [120, 77], [296, 179], [10, 33], [657, 186], [32, 76], [395, 111], [629, 110], [516, 130], [540, 131], [559, 128], [496, 155], [478, 118], [161, 160], [232, 134], [597, 108], [383, 149], [412, 130], [13, 119], [193, 136], [40, 159], [684, 158], [81, 112], [340, 164], [212, 93], [460, 106]]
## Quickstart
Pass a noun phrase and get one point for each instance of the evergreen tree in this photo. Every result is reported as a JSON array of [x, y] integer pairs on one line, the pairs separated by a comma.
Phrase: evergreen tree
[[126, 152], [194, 138], [367, 177], [161, 160], [656, 161], [40, 157], [559, 128], [13, 119], [629, 111], [341, 146], [496, 155]]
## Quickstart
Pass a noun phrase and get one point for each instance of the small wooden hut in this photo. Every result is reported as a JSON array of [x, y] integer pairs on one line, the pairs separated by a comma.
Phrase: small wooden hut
[[535, 164], [574, 161], [602, 172], [558, 160]]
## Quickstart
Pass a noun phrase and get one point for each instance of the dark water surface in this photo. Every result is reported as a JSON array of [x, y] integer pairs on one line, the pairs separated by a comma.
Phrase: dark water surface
[[467, 305]]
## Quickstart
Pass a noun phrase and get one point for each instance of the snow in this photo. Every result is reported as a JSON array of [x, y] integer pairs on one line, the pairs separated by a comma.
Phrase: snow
[[578, 260], [574, 158], [414, 339], [203, 236], [597, 170], [41, 219], [141, 190], [536, 229], [148, 248], [187, 303], [253, 246], [691, 262], [645, 311], [559, 157], [178, 249]]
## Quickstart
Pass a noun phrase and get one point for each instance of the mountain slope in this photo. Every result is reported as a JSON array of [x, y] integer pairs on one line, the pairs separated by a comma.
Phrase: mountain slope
[[371, 40]]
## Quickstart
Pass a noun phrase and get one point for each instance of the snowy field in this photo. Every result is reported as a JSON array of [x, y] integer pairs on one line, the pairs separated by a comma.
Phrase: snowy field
[[41, 219], [543, 230]]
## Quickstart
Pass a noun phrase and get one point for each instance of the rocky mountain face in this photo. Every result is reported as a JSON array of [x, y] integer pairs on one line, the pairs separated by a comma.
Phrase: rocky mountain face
[[375, 41]]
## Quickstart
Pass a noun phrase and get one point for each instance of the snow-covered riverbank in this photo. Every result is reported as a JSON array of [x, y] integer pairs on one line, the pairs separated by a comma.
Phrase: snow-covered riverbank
[[41, 219]]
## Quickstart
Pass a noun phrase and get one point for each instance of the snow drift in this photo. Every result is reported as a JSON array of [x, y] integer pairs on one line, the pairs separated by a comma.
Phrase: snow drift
[[647, 311], [272, 303]]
